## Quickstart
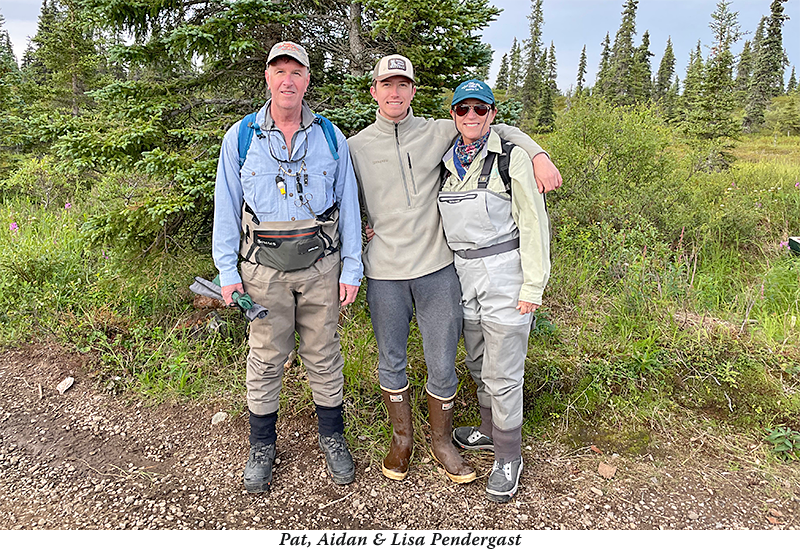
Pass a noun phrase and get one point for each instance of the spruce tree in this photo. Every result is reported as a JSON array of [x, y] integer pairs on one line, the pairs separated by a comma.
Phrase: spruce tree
[[666, 71], [744, 68], [10, 103], [641, 73], [65, 46], [501, 82], [514, 68], [693, 82], [769, 62], [535, 79], [8, 61], [546, 114], [622, 85], [774, 59], [602, 82], [792, 85], [581, 73], [670, 103], [711, 116]]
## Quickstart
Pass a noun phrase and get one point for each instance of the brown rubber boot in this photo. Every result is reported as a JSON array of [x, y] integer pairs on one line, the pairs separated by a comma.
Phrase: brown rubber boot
[[395, 465], [441, 418]]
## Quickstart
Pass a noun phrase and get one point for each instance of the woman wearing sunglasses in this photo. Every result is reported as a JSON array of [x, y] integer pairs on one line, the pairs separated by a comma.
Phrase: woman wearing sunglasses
[[501, 239]]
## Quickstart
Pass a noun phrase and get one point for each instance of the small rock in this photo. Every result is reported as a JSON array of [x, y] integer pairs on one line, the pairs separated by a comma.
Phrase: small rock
[[693, 515], [597, 491], [606, 470], [65, 384], [219, 417], [373, 493], [775, 513]]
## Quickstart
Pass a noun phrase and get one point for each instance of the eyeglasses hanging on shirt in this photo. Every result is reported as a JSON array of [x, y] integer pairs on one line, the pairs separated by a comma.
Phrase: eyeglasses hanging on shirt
[[301, 175]]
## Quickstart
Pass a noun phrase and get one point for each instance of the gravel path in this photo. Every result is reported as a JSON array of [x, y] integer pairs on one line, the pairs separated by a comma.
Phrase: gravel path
[[88, 460]]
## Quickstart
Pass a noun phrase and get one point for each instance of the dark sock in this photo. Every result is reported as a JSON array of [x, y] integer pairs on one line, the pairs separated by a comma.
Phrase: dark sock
[[262, 428], [330, 420]]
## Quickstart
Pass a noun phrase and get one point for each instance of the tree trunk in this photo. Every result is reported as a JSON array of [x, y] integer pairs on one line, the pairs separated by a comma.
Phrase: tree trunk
[[357, 46]]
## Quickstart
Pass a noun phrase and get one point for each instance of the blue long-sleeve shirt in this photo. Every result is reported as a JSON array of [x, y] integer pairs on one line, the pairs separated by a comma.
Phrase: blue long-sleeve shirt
[[329, 180]]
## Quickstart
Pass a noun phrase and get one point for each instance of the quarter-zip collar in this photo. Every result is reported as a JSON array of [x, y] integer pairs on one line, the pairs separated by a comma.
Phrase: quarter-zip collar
[[388, 126]]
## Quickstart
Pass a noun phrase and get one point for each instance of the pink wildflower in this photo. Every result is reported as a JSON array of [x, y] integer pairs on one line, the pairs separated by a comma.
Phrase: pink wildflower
[[783, 244], [67, 206], [13, 227]]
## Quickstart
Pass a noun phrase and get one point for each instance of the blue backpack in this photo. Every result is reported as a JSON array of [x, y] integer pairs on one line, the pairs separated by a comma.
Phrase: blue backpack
[[249, 125]]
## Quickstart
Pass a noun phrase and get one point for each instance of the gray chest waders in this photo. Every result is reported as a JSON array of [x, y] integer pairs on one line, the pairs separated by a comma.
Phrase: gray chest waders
[[478, 222], [290, 245]]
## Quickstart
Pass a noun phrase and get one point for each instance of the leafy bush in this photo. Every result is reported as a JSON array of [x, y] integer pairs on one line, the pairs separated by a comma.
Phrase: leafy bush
[[619, 166], [785, 442], [43, 180]]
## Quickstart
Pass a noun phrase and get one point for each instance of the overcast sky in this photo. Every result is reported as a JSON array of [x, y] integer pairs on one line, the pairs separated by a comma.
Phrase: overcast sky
[[570, 24]]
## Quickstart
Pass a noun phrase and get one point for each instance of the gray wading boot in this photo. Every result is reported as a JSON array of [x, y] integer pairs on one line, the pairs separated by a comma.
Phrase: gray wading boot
[[337, 458], [504, 480], [441, 419], [395, 464], [258, 471], [471, 438], [476, 438]]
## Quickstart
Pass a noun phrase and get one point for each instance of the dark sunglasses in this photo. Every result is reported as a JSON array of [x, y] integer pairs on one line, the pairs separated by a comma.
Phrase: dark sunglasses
[[462, 109]]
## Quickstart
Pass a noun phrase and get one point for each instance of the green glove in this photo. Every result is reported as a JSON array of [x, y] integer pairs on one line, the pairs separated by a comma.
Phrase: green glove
[[244, 301]]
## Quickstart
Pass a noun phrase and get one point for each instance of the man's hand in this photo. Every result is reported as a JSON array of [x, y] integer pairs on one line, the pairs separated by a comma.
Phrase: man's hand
[[526, 307], [347, 294], [369, 232], [228, 290], [547, 175]]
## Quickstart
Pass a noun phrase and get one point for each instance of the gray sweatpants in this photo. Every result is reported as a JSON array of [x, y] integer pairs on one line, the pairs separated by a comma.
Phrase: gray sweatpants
[[435, 297]]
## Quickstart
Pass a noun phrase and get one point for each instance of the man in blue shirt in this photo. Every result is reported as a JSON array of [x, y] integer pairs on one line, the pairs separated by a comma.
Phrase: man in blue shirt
[[291, 211]]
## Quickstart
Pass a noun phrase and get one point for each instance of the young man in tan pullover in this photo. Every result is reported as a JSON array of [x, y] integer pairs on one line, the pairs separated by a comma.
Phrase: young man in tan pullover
[[407, 262]]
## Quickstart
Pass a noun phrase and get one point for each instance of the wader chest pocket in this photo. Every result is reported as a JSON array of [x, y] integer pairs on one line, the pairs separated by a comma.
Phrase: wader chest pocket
[[289, 250]]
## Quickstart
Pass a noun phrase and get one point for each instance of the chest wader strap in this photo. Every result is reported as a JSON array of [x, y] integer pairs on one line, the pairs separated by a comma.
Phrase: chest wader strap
[[498, 248]]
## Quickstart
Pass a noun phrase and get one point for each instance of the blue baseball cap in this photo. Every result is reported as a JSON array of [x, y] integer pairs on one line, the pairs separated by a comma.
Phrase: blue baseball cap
[[473, 89]]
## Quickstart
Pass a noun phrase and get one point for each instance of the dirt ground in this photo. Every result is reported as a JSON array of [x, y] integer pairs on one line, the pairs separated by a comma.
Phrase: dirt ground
[[86, 459]]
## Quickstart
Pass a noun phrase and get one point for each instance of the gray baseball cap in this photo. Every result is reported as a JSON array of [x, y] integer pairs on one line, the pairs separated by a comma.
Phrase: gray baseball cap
[[289, 49]]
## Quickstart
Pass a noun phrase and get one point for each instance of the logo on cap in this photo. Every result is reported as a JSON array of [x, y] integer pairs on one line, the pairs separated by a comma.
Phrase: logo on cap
[[471, 86], [396, 64], [289, 47]]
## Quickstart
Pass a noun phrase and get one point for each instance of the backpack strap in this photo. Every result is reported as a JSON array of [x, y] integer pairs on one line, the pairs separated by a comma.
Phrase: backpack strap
[[330, 134], [483, 179], [503, 162], [247, 127]]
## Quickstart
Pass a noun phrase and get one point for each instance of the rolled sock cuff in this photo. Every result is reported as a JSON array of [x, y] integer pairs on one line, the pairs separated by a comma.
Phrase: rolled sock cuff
[[262, 428], [507, 444], [330, 420]]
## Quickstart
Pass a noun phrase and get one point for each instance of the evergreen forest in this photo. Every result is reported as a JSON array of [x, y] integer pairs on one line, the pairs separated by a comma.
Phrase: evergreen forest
[[675, 292]]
